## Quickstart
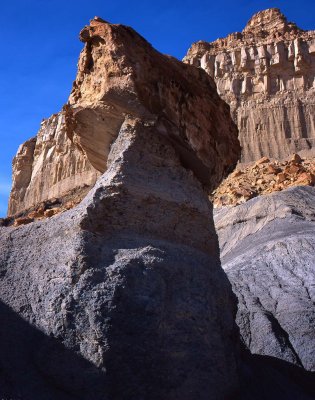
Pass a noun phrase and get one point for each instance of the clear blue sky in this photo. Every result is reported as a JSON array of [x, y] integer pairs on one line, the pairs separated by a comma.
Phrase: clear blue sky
[[40, 48]]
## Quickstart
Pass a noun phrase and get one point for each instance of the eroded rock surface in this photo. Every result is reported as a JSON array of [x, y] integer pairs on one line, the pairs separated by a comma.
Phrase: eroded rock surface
[[129, 282], [263, 177], [48, 166], [179, 100], [120, 74], [266, 74], [268, 252]]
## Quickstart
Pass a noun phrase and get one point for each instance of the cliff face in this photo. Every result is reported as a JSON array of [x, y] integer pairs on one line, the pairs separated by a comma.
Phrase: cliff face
[[48, 166], [71, 148], [266, 75], [179, 100]]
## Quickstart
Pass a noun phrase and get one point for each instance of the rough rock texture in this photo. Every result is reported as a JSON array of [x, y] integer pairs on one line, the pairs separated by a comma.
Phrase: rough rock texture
[[266, 74], [71, 148], [131, 281], [48, 166], [268, 252], [128, 285], [263, 177], [119, 74]]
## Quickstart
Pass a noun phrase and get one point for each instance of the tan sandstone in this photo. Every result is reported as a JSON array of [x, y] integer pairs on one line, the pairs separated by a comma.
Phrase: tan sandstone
[[264, 177], [48, 166], [71, 148], [266, 73], [165, 93]]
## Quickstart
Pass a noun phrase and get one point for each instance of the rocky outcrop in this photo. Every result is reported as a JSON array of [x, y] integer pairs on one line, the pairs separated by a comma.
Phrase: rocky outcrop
[[268, 252], [266, 74], [71, 148], [263, 177], [49, 166], [128, 285], [179, 100]]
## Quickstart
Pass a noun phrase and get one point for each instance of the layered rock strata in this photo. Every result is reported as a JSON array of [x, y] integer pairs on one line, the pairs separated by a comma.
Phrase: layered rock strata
[[266, 74], [48, 166], [268, 252], [71, 148], [180, 100], [128, 285]]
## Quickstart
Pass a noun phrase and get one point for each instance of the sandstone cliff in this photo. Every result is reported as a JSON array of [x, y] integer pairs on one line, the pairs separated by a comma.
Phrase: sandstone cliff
[[71, 148], [178, 99], [48, 166], [266, 74], [128, 285]]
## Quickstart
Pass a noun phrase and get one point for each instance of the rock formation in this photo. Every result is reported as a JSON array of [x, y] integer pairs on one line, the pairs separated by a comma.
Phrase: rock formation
[[128, 285], [266, 74], [49, 166], [71, 148], [268, 252], [262, 177]]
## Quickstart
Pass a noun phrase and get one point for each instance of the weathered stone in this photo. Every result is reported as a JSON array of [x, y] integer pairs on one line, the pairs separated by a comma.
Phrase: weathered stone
[[130, 279], [48, 166], [266, 74], [257, 178], [268, 252], [120, 73]]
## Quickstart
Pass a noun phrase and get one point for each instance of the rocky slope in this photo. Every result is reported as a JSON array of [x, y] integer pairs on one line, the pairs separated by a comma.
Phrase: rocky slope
[[48, 167], [262, 177], [268, 252], [124, 294], [266, 74]]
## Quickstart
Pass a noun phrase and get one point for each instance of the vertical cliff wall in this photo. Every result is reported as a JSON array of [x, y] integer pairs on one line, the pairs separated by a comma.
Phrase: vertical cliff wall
[[48, 166], [266, 74]]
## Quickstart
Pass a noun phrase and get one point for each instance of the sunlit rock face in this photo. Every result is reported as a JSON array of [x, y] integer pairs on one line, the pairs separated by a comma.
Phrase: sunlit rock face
[[48, 166], [266, 75], [120, 74]]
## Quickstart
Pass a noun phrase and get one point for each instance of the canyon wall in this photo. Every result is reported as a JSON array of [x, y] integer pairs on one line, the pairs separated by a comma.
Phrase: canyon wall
[[48, 166], [266, 74]]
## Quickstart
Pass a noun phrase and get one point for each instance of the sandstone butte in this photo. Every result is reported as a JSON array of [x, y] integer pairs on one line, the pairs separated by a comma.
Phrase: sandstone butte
[[71, 148], [266, 74], [123, 296]]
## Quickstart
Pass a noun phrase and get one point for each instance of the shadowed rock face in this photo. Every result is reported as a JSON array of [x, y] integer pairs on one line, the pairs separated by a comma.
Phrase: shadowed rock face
[[130, 279], [268, 252], [266, 74]]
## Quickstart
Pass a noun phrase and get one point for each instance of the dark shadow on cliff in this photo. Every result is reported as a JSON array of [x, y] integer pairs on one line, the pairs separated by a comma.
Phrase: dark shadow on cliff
[[34, 366]]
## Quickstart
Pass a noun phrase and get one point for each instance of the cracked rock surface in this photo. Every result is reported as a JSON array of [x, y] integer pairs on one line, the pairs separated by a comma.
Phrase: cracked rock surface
[[268, 252]]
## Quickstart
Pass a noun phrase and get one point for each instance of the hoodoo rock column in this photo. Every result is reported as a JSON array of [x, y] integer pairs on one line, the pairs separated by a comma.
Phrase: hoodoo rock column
[[129, 282]]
